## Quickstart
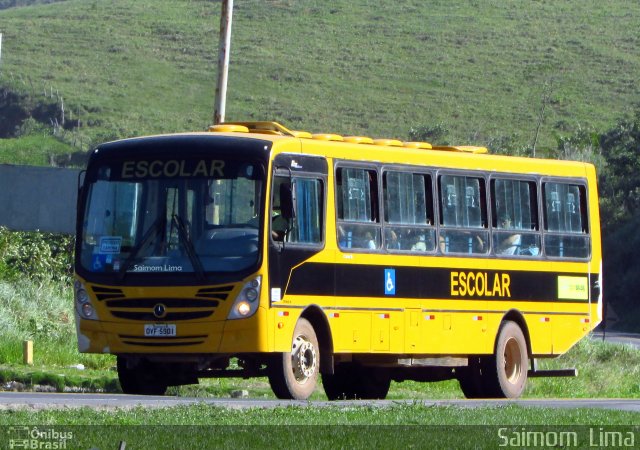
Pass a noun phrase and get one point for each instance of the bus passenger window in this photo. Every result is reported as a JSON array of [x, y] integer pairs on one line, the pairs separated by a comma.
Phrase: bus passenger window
[[357, 209], [408, 212], [463, 215], [566, 223], [515, 218]]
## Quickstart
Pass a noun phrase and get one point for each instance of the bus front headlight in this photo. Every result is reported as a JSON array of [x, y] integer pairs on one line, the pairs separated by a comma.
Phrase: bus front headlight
[[87, 311], [243, 309], [247, 301], [83, 303]]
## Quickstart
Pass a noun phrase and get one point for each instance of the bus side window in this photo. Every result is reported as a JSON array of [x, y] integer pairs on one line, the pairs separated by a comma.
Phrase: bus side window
[[307, 225], [514, 219], [307, 197], [463, 215], [357, 208], [408, 208], [566, 222]]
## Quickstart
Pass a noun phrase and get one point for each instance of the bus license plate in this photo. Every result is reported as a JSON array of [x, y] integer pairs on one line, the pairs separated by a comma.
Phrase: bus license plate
[[159, 329]]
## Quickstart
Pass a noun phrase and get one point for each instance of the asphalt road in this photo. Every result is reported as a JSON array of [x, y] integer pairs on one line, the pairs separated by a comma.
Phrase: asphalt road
[[618, 338], [36, 401]]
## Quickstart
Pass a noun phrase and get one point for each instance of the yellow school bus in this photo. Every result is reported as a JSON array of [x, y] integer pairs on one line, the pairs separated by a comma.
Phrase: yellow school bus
[[253, 250]]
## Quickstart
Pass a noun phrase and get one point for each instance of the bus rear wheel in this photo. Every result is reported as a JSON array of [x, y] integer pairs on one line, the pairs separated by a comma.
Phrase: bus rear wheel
[[471, 378], [294, 375], [501, 375], [506, 370], [140, 379]]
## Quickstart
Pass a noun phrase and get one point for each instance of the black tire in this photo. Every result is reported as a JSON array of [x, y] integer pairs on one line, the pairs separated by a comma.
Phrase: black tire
[[506, 370], [141, 379], [373, 384], [294, 375], [350, 381], [471, 380], [341, 384]]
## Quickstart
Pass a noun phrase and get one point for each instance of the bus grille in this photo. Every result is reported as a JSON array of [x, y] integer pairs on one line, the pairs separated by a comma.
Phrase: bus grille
[[162, 309]]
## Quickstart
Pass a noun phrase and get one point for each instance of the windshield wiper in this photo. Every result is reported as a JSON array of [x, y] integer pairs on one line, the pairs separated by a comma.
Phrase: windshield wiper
[[188, 245], [151, 232]]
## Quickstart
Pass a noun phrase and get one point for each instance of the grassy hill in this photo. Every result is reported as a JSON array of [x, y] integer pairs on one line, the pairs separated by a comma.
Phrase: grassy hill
[[485, 70]]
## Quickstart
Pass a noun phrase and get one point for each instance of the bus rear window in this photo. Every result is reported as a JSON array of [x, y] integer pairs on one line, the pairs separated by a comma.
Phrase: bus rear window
[[565, 220]]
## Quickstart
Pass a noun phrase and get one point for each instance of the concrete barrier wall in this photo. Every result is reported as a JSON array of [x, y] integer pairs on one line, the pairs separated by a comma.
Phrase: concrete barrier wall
[[38, 198]]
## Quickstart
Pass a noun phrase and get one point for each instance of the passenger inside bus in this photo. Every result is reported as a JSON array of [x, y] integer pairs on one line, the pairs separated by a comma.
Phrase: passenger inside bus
[[454, 241], [420, 244], [392, 241], [511, 244], [357, 236]]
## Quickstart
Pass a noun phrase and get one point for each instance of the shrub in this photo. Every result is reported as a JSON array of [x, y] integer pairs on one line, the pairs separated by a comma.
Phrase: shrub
[[39, 256], [40, 311], [436, 134]]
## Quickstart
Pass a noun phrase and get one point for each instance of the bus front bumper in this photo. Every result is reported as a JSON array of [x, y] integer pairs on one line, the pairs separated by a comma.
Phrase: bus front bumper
[[227, 336]]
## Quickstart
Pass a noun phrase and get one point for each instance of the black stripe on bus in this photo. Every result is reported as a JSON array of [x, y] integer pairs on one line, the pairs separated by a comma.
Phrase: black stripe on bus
[[359, 280]]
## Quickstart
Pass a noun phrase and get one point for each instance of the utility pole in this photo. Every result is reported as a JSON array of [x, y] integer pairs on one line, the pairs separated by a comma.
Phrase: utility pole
[[0, 48], [224, 47]]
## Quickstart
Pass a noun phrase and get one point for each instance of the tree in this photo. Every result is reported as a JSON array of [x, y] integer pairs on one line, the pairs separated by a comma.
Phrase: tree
[[620, 179], [620, 217]]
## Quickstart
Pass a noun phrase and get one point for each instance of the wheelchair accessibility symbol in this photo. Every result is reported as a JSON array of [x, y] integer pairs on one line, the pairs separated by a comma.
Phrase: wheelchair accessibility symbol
[[389, 281]]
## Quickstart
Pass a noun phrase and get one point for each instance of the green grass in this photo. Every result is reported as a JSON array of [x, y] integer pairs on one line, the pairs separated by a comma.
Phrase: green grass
[[400, 426], [604, 370], [483, 69], [401, 414], [41, 312], [33, 150], [59, 379]]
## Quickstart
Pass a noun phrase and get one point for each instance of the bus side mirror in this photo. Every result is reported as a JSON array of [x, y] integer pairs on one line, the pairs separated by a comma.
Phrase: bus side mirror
[[287, 203]]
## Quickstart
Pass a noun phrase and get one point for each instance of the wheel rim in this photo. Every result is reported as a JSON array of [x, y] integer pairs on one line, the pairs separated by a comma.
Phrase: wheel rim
[[304, 359], [512, 361]]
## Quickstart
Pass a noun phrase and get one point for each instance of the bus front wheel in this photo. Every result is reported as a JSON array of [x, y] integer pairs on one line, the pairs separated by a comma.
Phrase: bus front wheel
[[140, 379], [294, 375]]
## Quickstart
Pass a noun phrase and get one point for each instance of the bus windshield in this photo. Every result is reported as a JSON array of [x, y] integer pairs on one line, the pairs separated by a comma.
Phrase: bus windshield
[[190, 216]]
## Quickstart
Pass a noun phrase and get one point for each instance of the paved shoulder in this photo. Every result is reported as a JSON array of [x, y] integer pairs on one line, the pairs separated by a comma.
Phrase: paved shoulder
[[618, 337]]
